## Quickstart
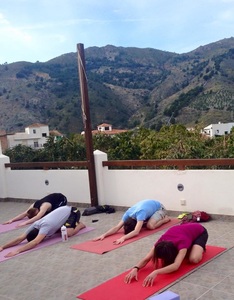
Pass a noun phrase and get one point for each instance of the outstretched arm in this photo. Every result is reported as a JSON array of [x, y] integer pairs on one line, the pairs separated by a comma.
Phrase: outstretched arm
[[141, 264], [131, 234], [14, 242], [110, 231], [42, 212], [27, 246], [149, 280], [18, 217]]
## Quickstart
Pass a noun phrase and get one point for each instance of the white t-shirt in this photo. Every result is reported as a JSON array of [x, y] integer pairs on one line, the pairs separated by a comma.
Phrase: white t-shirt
[[50, 224]]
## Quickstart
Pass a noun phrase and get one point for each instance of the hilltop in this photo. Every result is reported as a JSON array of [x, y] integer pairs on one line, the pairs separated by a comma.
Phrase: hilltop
[[128, 88]]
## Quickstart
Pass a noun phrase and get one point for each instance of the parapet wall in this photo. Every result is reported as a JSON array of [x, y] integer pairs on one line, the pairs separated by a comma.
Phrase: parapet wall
[[208, 190]]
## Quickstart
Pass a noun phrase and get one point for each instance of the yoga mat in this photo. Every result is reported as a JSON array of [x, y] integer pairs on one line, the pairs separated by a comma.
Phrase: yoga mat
[[47, 242], [116, 289], [106, 245], [8, 227]]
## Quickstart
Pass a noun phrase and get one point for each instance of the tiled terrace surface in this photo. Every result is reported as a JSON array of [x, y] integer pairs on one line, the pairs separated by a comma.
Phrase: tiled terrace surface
[[57, 272]]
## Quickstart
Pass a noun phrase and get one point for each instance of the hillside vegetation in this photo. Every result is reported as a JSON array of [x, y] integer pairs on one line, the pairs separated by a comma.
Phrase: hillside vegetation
[[128, 88], [170, 142]]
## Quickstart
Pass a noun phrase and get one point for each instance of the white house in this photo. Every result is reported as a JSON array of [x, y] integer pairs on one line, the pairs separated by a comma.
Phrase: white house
[[218, 129], [105, 128], [35, 136]]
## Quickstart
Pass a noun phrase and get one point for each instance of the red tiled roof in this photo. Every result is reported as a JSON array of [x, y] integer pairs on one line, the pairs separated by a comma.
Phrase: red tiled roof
[[55, 132], [36, 125], [104, 125], [2, 132]]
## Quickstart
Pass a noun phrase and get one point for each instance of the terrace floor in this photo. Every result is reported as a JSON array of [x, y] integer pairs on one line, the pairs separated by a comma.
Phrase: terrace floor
[[57, 272]]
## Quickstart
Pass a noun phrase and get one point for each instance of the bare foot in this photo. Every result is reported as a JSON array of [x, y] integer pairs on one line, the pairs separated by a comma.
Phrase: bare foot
[[166, 219], [81, 225]]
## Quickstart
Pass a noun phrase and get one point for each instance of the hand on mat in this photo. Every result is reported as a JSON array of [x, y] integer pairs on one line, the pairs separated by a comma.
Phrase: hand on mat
[[149, 280], [10, 254], [101, 237], [7, 222], [119, 241], [1, 249], [133, 274]]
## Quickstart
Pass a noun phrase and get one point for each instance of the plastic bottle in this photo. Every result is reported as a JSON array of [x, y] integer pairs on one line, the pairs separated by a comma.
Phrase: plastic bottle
[[64, 233]]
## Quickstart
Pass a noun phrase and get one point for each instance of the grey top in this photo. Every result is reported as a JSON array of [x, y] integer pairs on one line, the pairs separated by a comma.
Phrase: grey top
[[50, 224]]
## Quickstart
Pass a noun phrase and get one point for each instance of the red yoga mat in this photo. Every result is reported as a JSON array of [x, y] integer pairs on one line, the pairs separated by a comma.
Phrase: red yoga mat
[[116, 289], [106, 245]]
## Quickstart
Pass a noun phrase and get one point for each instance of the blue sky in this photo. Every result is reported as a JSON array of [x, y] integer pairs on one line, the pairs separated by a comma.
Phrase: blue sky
[[39, 30]]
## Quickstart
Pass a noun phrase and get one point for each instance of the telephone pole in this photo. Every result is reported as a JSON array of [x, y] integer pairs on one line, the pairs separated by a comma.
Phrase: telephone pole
[[87, 124]]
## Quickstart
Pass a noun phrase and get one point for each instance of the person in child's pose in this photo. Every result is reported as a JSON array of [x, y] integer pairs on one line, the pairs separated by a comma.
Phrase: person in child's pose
[[150, 212], [40, 208], [47, 226], [171, 249]]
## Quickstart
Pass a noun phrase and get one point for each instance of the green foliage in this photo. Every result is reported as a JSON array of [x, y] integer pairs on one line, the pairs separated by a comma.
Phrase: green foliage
[[121, 146], [25, 72], [183, 101], [171, 142], [64, 149], [20, 153]]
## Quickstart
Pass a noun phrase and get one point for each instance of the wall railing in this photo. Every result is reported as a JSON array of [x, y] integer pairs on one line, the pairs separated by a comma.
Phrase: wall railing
[[180, 164], [48, 165]]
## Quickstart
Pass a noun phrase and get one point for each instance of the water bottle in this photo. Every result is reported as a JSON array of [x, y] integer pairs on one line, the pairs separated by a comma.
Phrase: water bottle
[[64, 233]]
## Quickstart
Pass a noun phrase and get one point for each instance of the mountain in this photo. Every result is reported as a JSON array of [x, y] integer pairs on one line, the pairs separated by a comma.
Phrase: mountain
[[128, 87]]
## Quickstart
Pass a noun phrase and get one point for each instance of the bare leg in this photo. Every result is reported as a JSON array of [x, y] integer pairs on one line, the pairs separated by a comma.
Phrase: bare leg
[[196, 254], [152, 223], [73, 231]]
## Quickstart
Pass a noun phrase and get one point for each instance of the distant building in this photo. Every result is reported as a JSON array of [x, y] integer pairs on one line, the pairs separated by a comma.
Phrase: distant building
[[217, 129], [107, 129], [56, 134], [35, 136]]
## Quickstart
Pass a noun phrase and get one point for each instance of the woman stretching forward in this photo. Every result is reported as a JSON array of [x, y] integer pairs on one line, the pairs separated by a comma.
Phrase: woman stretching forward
[[171, 249]]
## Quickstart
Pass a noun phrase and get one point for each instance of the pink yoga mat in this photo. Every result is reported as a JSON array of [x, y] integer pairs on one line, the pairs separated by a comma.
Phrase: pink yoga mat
[[56, 238], [106, 245], [8, 227], [116, 289]]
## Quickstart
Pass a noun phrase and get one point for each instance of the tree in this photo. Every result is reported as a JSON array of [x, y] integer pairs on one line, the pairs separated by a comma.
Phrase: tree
[[171, 142], [20, 153]]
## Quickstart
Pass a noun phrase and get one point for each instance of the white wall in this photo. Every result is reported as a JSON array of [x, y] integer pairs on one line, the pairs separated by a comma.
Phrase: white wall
[[208, 190], [31, 184], [218, 129], [28, 138]]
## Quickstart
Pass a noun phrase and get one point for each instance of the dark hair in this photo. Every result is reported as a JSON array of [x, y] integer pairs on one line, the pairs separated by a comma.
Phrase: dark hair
[[32, 212], [166, 251], [32, 234], [129, 225]]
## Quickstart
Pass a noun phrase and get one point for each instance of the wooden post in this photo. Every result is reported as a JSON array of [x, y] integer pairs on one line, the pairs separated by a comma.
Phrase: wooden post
[[87, 125]]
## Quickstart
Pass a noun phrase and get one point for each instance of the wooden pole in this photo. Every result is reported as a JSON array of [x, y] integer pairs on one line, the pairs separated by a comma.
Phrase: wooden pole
[[87, 125]]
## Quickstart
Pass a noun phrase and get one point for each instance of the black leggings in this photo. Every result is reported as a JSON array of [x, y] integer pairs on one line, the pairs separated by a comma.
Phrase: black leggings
[[201, 240], [73, 219]]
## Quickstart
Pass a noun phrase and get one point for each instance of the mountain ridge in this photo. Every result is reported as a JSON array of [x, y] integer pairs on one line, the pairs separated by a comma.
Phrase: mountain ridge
[[128, 87]]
